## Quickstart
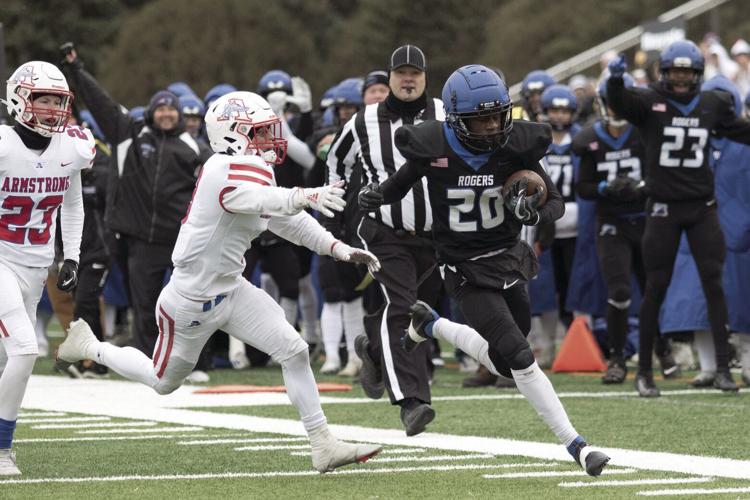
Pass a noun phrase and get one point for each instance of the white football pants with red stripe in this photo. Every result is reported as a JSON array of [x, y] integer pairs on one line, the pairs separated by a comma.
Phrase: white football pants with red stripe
[[247, 313], [20, 291]]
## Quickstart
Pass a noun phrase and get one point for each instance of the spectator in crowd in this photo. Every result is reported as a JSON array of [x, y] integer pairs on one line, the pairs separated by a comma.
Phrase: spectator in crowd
[[156, 167], [741, 54]]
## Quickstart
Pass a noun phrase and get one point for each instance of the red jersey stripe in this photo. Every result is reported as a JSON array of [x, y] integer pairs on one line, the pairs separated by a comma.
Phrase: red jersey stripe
[[159, 342], [3, 330], [250, 168], [170, 341], [224, 191], [237, 177]]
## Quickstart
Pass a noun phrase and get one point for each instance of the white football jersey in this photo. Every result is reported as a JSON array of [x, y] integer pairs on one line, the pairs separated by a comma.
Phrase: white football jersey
[[209, 253], [32, 188]]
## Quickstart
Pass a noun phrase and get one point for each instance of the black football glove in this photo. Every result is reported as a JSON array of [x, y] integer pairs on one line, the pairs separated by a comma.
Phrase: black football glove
[[523, 207], [67, 278], [623, 188], [370, 197]]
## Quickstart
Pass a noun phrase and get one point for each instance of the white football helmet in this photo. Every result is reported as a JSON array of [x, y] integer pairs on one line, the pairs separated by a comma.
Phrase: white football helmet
[[244, 123], [34, 79]]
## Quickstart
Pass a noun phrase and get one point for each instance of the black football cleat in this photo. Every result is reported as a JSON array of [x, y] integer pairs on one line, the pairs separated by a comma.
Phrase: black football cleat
[[669, 368], [644, 384], [370, 376], [616, 372], [595, 460], [415, 419], [725, 382], [422, 315]]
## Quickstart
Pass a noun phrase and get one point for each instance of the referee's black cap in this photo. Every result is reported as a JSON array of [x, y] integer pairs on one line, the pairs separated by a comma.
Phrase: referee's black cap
[[408, 55]]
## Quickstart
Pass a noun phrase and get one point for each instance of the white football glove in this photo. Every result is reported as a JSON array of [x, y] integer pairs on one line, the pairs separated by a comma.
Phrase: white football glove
[[324, 199], [345, 253], [277, 99], [301, 95]]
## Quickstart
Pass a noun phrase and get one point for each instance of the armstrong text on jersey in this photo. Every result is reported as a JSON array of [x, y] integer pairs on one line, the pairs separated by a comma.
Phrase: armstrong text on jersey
[[35, 184]]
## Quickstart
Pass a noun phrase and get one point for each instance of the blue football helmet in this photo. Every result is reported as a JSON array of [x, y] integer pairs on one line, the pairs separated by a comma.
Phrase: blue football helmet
[[275, 80], [138, 113], [721, 82], [349, 91], [559, 96], [601, 99], [681, 54], [217, 91], [88, 121], [180, 89], [536, 81], [476, 91], [191, 105]]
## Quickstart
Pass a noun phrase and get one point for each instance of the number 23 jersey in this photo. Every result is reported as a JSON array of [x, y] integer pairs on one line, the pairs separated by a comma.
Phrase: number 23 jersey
[[32, 188], [676, 135]]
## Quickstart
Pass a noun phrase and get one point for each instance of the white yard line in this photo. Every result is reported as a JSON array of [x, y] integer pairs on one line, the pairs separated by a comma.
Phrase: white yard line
[[62, 420], [696, 491], [431, 458], [554, 473], [35, 414], [269, 447], [130, 400], [226, 475], [635, 482], [142, 431], [94, 426], [386, 451], [109, 438], [240, 440]]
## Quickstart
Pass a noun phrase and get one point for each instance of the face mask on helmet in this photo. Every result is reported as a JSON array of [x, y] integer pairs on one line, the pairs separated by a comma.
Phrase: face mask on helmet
[[559, 104], [38, 98], [605, 116], [242, 123], [478, 108], [685, 55]]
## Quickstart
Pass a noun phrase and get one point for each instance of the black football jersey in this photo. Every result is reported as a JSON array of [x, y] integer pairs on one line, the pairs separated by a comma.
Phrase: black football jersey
[[602, 157], [676, 136], [469, 217], [559, 164]]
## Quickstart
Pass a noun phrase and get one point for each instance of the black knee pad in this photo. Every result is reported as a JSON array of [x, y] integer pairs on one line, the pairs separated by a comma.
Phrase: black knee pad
[[620, 293]]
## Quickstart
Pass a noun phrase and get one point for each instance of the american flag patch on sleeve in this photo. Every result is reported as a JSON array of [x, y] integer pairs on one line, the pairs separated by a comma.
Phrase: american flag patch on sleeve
[[250, 173], [439, 163], [659, 107]]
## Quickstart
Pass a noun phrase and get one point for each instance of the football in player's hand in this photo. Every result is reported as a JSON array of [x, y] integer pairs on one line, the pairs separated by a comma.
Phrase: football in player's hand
[[533, 181]]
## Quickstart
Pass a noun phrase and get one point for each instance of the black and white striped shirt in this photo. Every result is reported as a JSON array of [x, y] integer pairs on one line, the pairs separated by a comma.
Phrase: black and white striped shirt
[[368, 137]]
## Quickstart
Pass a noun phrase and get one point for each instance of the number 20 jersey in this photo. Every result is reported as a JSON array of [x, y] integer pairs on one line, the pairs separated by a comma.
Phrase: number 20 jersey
[[469, 217], [32, 188]]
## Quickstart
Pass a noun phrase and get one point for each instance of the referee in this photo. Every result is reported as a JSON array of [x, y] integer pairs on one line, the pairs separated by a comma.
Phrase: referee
[[398, 234]]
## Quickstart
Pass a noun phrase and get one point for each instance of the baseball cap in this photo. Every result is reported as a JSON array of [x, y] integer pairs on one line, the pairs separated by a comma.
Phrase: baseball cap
[[408, 55]]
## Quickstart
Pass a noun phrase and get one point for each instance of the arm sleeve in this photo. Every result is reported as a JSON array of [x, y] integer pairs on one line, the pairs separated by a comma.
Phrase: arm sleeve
[[398, 185], [554, 208], [114, 121], [303, 229], [296, 149], [342, 154], [587, 186], [251, 198], [71, 219], [627, 103]]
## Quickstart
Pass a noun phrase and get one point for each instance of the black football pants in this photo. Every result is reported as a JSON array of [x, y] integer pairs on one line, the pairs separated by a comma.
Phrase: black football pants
[[661, 240], [404, 259]]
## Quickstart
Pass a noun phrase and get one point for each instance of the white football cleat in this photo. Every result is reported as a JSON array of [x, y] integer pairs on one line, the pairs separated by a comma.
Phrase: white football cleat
[[328, 453], [330, 367], [8, 463], [79, 344], [352, 366]]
